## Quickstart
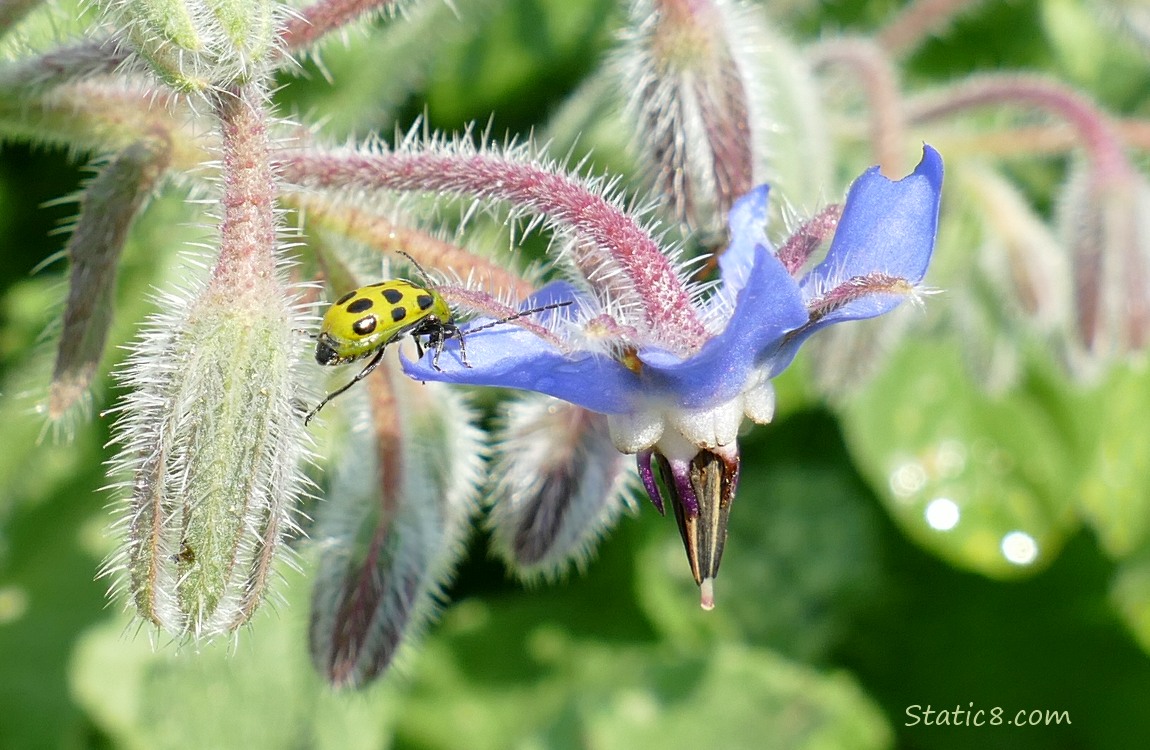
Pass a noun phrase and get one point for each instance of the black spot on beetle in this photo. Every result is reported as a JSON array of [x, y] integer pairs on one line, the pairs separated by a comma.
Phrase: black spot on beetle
[[424, 301], [363, 304], [364, 325], [398, 314], [393, 296], [378, 283], [345, 297]]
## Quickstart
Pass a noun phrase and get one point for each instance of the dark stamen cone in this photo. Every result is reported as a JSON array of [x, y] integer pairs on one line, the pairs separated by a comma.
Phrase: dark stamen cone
[[701, 493]]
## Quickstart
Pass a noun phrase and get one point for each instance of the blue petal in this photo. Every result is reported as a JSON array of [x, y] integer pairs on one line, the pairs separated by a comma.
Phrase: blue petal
[[509, 356], [886, 227], [747, 223], [769, 306]]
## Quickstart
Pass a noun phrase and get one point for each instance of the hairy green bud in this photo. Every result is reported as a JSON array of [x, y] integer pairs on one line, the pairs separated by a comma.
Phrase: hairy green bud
[[211, 442], [392, 528], [196, 45], [108, 208]]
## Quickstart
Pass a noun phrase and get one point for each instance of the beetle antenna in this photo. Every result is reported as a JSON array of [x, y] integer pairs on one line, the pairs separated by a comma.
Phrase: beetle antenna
[[414, 262], [520, 314]]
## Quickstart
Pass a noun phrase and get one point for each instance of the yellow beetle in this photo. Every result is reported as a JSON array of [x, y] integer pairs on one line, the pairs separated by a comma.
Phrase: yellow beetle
[[363, 322]]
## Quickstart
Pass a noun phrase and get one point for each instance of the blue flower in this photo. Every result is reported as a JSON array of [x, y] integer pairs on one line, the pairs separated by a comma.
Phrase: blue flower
[[879, 254], [681, 414]]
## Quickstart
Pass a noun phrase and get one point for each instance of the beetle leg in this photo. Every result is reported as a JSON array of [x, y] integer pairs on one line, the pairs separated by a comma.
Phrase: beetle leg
[[462, 347], [435, 342], [363, 374]]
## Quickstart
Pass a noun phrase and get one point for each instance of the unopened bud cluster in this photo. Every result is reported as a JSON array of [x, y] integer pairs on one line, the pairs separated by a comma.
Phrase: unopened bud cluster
[[194, 45]]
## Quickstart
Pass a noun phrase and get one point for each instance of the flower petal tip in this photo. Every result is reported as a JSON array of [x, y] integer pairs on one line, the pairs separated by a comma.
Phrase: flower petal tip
[[707, 594], [930, 166]]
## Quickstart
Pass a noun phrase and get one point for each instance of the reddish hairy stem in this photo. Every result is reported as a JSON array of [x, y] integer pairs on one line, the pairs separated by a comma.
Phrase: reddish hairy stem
[[323, 17], [384, 235], [1097, 133], [248, 227], [91, 57], [1058, 138], [873, 67], [917, 21], [667, 310]]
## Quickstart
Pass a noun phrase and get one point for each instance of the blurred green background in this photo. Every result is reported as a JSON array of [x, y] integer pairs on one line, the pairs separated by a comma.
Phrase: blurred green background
[[842, 614]]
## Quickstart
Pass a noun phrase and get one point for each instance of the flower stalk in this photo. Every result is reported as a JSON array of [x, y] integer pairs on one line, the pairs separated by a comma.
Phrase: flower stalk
[[391, 237], [917, 21], [879, 77], [1096, 133], [320, 19], [619, 243], [1103, 208]]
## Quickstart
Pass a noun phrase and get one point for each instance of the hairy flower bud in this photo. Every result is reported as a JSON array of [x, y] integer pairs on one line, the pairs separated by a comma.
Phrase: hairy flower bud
[[392, 526], [195, 45], [211, 442], [693, 106], [209, 432], [560, 485], [109, 205], [1106, 227], [721, 103]]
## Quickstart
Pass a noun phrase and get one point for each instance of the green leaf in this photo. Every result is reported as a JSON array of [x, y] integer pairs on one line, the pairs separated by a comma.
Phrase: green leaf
[[985, 482], [734, 697], [1130, 595], [258, 693], [546, 688], [47, 597]]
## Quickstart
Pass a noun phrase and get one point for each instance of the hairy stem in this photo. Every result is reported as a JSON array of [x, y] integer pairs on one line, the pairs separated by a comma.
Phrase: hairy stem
[[1058, 138], [98, 116], [621, 241], [248, 228], [110, 205], [917, 21], [62, 65], [871, 64], [322, 18], [383, 234], [1096, 132]]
